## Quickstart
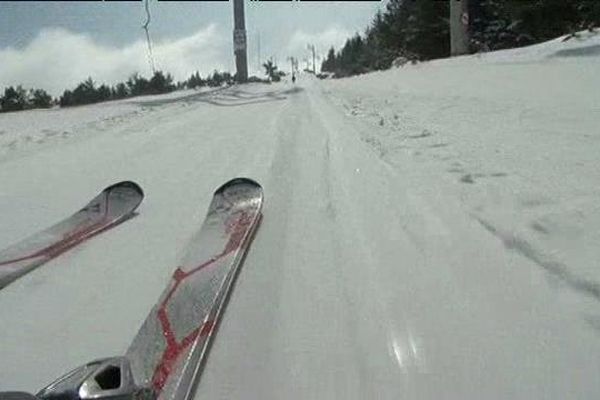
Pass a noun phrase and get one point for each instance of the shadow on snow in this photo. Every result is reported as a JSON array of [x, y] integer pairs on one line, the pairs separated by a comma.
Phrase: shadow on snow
[[230, 96]]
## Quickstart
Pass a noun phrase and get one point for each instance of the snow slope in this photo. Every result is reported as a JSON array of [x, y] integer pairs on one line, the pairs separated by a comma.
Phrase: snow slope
[[429, 232]]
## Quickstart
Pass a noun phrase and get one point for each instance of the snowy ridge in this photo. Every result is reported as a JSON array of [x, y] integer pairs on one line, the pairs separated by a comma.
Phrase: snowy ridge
[[26, 130], [584, 44]]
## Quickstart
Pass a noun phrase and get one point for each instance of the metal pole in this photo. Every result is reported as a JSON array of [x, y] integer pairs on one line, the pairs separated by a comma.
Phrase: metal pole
[[311, 47], [239, 41], [259, 57]]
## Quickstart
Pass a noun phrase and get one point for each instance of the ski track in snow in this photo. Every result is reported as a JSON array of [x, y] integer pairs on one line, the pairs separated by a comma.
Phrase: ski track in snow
[[422, 237]]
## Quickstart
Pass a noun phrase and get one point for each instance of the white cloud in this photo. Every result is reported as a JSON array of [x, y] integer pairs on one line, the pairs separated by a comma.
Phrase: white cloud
[[58, 59], [332, 36]]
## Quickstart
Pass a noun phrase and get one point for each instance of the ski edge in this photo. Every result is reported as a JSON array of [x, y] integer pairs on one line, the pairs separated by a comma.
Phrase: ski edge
[[217, 315]]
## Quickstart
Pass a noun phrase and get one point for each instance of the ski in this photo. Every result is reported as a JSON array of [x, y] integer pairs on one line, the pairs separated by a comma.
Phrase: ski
[[168, 351], [165, 359], [112, 206]]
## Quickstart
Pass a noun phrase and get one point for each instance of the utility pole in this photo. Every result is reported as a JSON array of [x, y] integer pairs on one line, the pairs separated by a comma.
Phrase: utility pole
[[259, 58], [294, 64], [239, 41], [459, 27], [311, 47]]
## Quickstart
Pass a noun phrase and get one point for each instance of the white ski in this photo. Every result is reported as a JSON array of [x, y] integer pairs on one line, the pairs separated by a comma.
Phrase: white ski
[[112, 206]]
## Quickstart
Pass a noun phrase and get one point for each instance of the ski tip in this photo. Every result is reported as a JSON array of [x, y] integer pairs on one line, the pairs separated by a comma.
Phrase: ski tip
[[238, 181], [126, 185]]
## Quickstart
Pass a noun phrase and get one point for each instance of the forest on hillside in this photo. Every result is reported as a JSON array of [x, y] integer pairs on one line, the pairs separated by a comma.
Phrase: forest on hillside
[[410, 30]]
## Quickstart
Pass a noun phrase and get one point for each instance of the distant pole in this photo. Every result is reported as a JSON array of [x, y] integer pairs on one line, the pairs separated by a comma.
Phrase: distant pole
[[259, 59], [239, 41], [459, 27], [311, 47], [294, 64]]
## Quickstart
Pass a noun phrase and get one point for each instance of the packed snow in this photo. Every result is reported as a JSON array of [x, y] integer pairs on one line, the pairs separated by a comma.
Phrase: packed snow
[[429, 232]]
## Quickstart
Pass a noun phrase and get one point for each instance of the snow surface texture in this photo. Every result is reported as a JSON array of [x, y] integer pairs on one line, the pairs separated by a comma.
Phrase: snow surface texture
[[429, 232]]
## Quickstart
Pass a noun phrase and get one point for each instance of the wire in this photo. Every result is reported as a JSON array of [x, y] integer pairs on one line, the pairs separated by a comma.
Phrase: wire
[[145, 26]]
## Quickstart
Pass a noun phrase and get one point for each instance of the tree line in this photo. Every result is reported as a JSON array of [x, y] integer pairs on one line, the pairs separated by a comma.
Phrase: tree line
[[418, 30], [88, 92], [18, 98]]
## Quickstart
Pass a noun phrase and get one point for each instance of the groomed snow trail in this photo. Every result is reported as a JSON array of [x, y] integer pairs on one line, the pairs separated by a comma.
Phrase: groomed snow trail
[[363, 281]]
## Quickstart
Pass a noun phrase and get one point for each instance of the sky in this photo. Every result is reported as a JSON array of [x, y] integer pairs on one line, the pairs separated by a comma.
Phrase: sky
[[57, 44]]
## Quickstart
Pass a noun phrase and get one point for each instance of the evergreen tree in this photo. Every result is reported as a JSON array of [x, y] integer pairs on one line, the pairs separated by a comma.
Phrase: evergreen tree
[[85, 92], [103, 93], [427, 32], [395, 28], [352, 59], [495, 25], [378, 55], [137, 85], [228, 78], [588, 12], [160, 83], [328, 65], [271, 70], [14, 99], [195, 81], [547, 19], [40, 98], [66, 99], [213, 79], [120, 91]]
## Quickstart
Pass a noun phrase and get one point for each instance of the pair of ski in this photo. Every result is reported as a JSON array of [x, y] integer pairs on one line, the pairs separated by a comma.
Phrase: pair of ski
[[166, 356]]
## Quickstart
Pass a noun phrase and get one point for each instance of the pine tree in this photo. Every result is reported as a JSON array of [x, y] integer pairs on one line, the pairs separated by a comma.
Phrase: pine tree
[[14, 99], [378, 54], [271, 70], [329, 64], [428, 32], [195, 81], [495, 25], [102, 94], [137, 85], [40, 98], [120, 91], [160, 83]]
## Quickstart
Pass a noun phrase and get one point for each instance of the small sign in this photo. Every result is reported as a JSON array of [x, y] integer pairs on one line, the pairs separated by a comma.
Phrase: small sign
[[465, 18]]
